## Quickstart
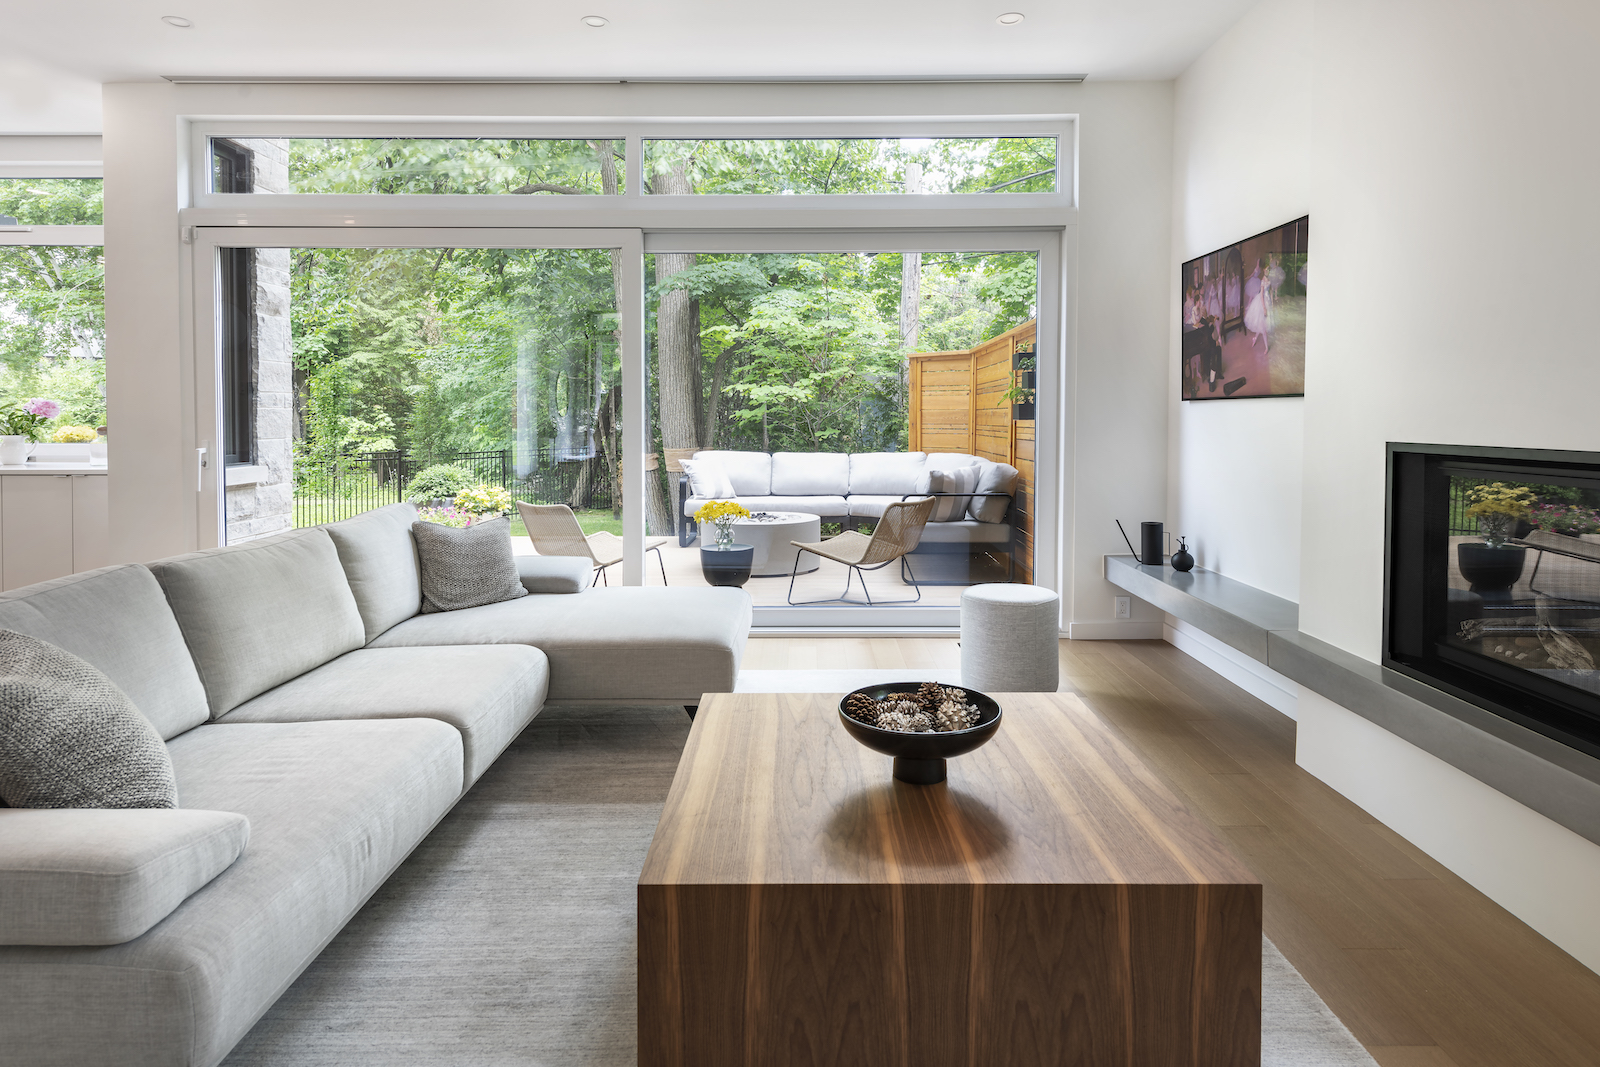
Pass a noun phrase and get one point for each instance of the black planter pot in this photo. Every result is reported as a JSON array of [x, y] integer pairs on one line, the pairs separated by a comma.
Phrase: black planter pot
[[1490, 570], [727, 566], [1022, 411]]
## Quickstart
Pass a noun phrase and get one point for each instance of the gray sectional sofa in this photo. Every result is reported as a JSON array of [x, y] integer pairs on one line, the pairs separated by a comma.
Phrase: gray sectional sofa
[[319, 727]]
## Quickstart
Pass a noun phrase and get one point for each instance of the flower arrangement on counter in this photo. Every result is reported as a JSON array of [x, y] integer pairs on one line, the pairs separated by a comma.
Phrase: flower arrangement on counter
[[74, 435], [27, 418]]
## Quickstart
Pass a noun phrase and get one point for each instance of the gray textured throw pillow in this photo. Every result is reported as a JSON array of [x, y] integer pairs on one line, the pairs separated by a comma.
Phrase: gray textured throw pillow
[[466, 568], [69, 738]]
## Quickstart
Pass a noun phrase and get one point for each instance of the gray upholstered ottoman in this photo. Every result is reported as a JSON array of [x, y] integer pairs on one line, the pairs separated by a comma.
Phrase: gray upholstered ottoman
[[1009, 636]]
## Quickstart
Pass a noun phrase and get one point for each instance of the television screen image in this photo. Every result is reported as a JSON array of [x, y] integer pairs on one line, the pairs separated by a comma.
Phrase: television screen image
[[1244, 318]]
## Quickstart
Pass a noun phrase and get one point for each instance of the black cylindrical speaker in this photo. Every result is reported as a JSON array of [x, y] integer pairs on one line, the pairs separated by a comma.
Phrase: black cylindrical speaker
[[1152, 539]]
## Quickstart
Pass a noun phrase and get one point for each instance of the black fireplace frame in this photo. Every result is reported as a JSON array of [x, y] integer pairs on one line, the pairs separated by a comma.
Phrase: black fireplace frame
[[1419, 474]]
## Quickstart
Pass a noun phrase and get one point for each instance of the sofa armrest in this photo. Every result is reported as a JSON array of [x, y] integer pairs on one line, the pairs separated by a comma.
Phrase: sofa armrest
[[555, 574], [97, 876]]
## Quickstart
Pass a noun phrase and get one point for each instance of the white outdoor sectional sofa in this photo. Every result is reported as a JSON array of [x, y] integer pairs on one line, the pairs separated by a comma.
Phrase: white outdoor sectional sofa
[[845, 487], [319, 727]]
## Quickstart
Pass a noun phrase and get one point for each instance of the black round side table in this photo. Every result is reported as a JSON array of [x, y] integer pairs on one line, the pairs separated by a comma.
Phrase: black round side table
[[727, 564]]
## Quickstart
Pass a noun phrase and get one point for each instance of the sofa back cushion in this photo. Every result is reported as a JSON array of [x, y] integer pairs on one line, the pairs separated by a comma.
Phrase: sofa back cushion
[[707, 479], [117, 620], [258, 614], [961, 481], [950, 461], [750, 472], [379, 557], [810, 473], [888, 473]]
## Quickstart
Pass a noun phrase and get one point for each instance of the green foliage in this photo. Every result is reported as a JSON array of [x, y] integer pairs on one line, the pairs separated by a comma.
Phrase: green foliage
[[472, 165], [52, 201], [439, 481], [484, 499]]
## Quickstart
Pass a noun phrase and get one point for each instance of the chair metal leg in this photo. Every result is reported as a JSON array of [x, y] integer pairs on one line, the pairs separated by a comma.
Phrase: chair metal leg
[[663, 562], [852, 570]]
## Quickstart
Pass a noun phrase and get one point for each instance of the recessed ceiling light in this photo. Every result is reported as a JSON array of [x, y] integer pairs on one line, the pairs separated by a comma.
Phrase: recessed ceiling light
[[177, 20], [1010, 18], [594, 21]]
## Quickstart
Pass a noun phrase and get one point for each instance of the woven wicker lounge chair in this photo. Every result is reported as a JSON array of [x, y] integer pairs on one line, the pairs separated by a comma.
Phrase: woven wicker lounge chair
[[897, 532], [554, 530]]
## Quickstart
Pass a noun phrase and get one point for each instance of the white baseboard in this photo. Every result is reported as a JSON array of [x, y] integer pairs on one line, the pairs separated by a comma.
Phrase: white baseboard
[[1124, 630], [1536, 869], [1257, 679]]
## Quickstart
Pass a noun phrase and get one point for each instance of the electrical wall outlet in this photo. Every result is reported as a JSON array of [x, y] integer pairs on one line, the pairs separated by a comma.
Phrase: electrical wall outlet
[[1124, 607]]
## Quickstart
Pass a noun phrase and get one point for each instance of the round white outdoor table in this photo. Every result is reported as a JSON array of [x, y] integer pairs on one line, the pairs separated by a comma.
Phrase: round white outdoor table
[[770, 537]]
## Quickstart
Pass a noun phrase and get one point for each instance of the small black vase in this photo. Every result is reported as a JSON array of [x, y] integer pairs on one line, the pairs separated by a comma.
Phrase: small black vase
[[1181, 559]]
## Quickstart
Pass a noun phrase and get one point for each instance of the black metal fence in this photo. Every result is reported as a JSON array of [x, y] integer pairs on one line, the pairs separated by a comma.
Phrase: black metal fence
[[361, 481]]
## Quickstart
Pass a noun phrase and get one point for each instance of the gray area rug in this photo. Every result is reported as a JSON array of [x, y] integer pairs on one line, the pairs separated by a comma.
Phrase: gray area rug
[[508, 936]]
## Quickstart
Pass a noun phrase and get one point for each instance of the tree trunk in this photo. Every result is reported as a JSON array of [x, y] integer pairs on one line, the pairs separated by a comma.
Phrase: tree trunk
[[677, 375]]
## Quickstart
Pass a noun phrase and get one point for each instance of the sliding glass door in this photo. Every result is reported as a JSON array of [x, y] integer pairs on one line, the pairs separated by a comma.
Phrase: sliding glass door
[[464, 371]]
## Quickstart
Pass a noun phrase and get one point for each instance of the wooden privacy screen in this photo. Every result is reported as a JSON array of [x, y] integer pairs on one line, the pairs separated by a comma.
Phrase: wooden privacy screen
[[957, 405]]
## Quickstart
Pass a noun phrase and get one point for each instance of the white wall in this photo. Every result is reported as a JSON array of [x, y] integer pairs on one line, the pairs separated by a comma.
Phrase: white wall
[[1241, 164], [1455, 226], [1119, 432]]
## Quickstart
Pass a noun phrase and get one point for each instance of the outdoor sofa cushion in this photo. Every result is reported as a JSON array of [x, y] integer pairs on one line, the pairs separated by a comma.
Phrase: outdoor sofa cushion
[[805, 505], [93, 876], [707, 479], [71, 739], [891, 474], [333, 808], [960, 481], [966, 532], [810, 473], [379, 557], [466, 568], [257, 614], [609, 645], [555, 574], [749, 472], [117, 619], [488, 692], [994, 478]]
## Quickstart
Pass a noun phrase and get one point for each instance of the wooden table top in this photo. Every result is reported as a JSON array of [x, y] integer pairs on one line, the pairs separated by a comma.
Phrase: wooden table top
[[772, 791]]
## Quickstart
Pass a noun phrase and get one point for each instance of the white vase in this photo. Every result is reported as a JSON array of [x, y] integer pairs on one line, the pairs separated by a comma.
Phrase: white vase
[[97, 450], [14, 449]]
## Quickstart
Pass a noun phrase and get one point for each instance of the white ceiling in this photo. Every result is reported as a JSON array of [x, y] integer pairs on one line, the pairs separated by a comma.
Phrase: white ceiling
[[56, 55]]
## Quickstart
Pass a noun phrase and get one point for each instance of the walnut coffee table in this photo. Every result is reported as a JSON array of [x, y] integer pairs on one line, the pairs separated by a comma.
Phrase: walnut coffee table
[[1052, 903]]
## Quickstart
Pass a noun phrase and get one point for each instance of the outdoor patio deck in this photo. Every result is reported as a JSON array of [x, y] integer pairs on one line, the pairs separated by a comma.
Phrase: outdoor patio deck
[[683, 569]]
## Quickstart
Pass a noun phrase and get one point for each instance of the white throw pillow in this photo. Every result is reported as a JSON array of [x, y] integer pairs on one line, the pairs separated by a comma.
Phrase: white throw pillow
[[708, 480], [961, 480]]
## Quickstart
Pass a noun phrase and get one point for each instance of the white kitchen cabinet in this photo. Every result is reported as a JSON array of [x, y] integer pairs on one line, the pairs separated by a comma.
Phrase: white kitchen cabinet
[[51, 525]]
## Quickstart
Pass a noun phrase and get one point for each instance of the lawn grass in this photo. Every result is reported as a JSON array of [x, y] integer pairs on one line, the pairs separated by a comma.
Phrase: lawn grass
[[316, 510]]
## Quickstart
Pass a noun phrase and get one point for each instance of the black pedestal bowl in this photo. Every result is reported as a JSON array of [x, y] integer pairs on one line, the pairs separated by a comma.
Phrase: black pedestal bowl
[[920, 758]]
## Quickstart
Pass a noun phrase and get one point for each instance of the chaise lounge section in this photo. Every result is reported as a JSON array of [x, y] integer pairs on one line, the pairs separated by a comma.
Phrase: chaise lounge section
[[318, 728]]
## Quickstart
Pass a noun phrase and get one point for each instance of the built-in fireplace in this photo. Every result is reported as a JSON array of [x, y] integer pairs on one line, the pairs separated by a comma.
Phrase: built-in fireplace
[[1493, 582]]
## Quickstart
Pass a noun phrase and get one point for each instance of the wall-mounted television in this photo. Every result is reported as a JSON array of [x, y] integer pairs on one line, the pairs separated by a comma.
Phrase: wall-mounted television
[[1244, 318]]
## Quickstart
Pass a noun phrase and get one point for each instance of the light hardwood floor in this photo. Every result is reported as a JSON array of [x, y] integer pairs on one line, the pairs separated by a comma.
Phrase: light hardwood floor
[[1423, 969]]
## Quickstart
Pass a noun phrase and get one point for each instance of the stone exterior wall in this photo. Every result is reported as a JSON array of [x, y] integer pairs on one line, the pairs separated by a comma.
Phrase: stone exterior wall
[[266, 505]]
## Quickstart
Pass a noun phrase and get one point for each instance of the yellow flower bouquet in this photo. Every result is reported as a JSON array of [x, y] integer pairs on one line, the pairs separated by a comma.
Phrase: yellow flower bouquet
[[723, 514], [1497, 507]]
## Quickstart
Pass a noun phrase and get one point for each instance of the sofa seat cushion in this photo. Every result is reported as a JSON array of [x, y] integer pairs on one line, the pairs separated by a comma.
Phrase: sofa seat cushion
[[750, 473], [257, 614], [379, 557], [870, 506], [117, 620], [888, 473], [630, 643], [810, 474], [71, 739], [966, 531], [488, 692], [808, 505], [92, 876], [333, 809]]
